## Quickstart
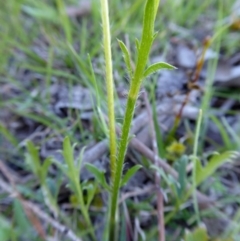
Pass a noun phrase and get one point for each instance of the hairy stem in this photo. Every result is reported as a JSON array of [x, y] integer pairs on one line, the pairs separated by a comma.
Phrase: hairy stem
[[143, 53], [109, 83]]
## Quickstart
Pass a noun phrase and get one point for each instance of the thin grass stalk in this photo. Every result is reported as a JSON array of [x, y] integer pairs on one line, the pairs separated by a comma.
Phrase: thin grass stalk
[[195, 159], [109, 84]]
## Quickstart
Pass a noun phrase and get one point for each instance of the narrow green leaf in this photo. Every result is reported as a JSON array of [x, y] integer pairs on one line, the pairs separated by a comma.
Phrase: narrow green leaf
[[43, 13], [223, 131], [80, 159], [50, 201], [182, 175], [6, 133], [148, 22], [44, 169], [202, 173], [166, 177], [99, 175], [34, 160], [157, 66], [156, 4], [64, 20], [137, 44], [126, 56], [68, 152], [155, 35], [129, 174], [61, 166], [91, 189]]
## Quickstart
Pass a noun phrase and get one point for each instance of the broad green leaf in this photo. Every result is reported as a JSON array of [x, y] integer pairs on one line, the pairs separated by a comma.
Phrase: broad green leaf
[[129, 174], [202, 173], [157, 66], [126, 56], [99, 175], [199, 234]]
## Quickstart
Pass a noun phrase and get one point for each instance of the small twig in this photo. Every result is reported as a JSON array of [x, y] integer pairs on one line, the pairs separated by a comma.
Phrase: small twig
[[192, 84], [160, 198], [32, 207], [193, 81], [137, 192], [129, 228]]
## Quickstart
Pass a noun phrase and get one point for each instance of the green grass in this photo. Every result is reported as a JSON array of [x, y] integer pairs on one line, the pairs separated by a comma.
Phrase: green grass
[[41, 46]]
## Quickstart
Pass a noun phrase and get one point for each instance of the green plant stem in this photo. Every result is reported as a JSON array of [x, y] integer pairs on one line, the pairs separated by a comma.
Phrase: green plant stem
[[144, 50], [80, 200], [195, 159], [109, 83]]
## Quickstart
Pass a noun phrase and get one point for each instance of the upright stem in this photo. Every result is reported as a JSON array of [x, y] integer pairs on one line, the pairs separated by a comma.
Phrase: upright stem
[[109, 83], [194, 174], [143, 53]]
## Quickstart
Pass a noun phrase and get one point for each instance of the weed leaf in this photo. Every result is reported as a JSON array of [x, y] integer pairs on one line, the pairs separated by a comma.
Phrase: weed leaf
[[166, 177], [99, 175], [68, 152], [6, 133], [126, 56], [157, 66], [44, 169], [91, 189], [216, 161], [182, 175], [79, 160], [129, 174], [34, 161]]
